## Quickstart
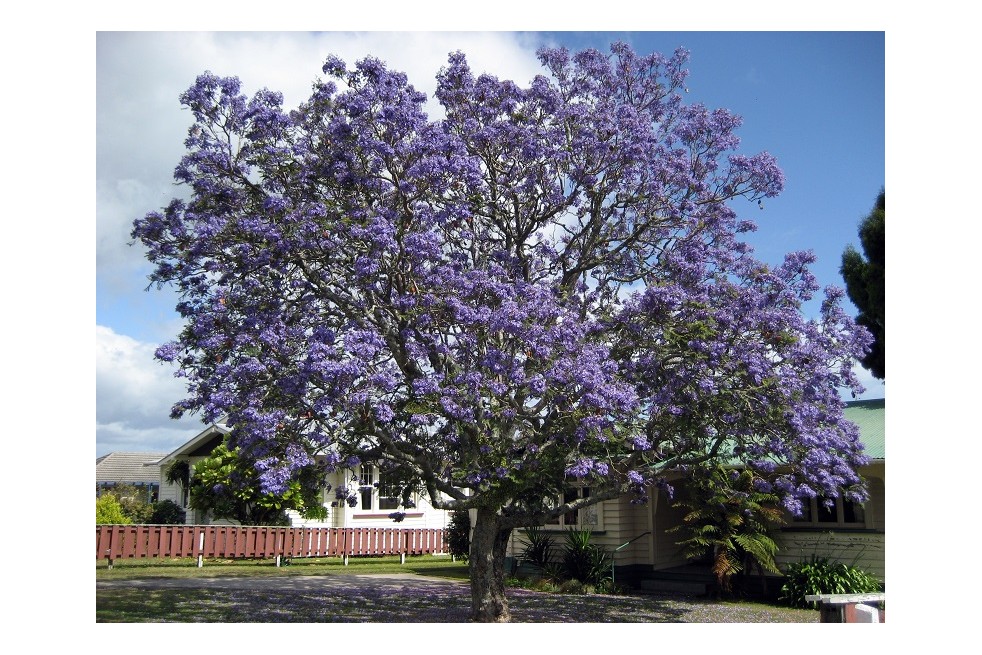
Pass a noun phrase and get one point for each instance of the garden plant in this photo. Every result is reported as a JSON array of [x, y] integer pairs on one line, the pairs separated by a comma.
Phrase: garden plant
[[823, 575]]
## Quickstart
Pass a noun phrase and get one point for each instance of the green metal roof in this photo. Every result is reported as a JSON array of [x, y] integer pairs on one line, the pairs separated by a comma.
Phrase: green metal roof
[[870, 417]]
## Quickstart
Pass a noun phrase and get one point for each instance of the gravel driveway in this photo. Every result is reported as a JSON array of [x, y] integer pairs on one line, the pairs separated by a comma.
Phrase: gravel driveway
[[400, 598]]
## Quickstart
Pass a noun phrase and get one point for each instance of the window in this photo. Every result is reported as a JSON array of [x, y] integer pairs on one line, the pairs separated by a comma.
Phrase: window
[[377, 495], [590, 517], [366, 488], [843, 513], [388, 494]]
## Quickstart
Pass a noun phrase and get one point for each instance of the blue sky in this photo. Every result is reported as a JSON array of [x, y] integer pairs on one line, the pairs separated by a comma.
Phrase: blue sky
[[814, 100]]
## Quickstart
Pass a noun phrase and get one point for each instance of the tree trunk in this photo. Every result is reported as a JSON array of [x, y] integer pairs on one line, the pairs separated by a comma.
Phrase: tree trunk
[[489, 542]]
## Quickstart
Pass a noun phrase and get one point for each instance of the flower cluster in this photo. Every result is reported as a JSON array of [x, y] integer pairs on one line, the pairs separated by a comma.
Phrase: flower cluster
[[546, 284]]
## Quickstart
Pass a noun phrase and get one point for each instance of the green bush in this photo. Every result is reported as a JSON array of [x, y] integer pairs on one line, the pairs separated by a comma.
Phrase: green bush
[[821, 575], [108, 511], [729, 520], [538, 549], [167, 512], [579, 567], [583, 561], [459, 534], [132, 501], [574, 587]]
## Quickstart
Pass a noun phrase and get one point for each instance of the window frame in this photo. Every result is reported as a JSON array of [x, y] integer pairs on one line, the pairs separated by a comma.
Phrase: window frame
[[812, 515], [366, 488], [385, 495], [595, 511], [373, 488]]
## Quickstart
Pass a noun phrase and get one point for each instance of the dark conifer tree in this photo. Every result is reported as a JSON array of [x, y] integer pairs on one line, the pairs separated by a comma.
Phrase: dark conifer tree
[[864, 278]]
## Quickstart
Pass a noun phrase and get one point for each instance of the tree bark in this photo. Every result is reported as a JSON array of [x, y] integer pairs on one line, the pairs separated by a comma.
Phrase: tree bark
[[489, 541]]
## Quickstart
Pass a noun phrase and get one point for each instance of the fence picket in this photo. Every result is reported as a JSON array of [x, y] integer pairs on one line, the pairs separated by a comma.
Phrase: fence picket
[[234, 542]]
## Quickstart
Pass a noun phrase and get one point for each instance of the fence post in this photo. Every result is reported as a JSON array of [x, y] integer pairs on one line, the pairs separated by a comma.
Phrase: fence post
[[201, 548], [109, 551]]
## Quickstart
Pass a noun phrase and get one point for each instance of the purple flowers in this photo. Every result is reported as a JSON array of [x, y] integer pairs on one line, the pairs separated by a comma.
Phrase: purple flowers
[[581, 468], [547, 283]]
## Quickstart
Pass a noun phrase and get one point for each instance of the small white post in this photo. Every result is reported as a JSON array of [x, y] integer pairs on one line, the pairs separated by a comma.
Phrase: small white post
[[201, 548], [867, 614]]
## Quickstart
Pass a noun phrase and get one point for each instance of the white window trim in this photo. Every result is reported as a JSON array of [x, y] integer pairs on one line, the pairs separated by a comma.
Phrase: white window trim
[[840, 522], [587, 518], [375, 480]]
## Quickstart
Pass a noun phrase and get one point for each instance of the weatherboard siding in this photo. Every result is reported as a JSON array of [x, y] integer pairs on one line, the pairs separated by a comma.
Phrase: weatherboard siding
[[667, 552], [861, 549]]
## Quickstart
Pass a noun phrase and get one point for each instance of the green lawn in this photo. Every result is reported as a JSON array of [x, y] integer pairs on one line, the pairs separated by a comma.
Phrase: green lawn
[[433, 565]]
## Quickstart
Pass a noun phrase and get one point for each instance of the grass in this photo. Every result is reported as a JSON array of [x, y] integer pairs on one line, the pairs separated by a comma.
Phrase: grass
[[394, 604], [438, 566], [154, 591]]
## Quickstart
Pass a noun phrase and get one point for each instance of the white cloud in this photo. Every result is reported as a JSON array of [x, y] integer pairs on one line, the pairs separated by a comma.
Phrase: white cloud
[[140, 125], [140, 129], [134, 395], [874, 388]]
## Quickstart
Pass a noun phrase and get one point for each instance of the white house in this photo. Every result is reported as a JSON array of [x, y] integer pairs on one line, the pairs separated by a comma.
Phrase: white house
[[375, 499]]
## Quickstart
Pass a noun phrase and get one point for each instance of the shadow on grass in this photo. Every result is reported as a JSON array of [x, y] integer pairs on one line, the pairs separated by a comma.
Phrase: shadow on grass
[[381, 601]]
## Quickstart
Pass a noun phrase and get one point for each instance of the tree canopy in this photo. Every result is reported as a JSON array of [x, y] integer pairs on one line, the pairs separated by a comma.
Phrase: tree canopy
[[545, 285], [865, 279]]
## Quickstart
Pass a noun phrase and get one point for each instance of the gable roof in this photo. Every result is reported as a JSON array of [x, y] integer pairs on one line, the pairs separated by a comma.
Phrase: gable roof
[[131, 468], [870, 417], [201, 444]]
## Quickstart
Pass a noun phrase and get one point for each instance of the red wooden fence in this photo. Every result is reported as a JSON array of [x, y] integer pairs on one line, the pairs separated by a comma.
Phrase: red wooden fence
[[114, 542]]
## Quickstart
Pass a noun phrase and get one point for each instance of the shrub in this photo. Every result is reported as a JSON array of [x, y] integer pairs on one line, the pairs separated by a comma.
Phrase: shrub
[[821, 575], [167, 512], [608, 587], [581, 567], [584, 561], [545, 585], [133, 502], [729, 519], [227, 485], [108, 511], [538, 549], [573, 587], [459, 534]]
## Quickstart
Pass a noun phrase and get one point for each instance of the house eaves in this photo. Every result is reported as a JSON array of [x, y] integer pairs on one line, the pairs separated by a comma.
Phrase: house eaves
[[201, 444]]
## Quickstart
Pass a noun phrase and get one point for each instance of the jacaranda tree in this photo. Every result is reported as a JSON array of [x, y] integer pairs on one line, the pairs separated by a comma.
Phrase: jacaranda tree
[[546, 285]]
